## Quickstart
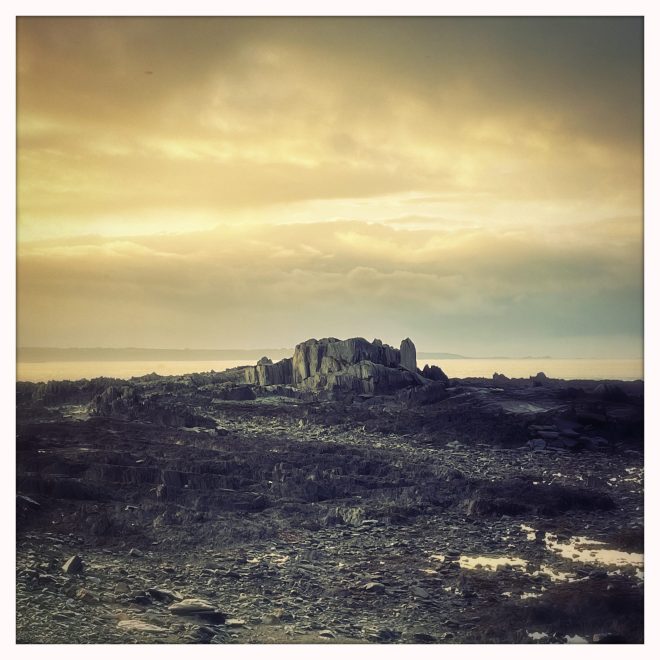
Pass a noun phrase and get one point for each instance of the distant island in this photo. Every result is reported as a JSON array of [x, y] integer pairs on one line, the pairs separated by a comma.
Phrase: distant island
[[34, 354]]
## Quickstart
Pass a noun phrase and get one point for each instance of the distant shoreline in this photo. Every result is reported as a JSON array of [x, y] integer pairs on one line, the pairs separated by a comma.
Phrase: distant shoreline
[[31, 355]]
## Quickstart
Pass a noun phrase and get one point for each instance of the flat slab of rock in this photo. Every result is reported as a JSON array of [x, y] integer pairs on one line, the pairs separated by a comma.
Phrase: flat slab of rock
[[420, 592], [139, 626], [235, 623], [191, 606], [164, 595]]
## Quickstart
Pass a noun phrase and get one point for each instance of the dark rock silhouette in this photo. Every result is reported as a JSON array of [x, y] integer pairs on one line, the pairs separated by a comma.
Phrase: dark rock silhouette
[[267, 373], [408, 355], [434, 372]]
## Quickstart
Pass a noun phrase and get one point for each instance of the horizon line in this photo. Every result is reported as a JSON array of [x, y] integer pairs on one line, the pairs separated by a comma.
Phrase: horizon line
[[424, 354]]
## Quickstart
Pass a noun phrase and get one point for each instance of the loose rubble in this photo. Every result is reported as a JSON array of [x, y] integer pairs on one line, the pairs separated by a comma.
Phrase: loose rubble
[[183, 510]]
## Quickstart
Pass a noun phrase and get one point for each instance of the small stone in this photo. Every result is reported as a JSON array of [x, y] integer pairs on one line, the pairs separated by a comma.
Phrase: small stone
[[235, 623], [134, 552], [141, 598], [374, 587], [191, 606], [419, 592], [270, 620], [73, 565], [327, 634], [139, 626], [164, 595], [122, 588], [86, 596]]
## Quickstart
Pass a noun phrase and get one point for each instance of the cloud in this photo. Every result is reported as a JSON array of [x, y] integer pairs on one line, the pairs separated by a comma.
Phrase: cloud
[[243, 113], [223, 181], [229, 285]]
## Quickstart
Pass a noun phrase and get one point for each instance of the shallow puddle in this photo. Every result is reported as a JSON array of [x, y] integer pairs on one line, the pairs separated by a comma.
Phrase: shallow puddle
[[491, 563], [575, 639], [530, 531], [537, 635], [582, 549], [494, 563], [554, 574]]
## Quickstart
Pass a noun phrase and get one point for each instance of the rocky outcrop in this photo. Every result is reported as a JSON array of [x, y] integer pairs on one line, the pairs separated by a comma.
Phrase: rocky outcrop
[[425, 395], [364, 378], [408, 355], [351, 365], [267, 373], [130, 403], [326, 356], [433, 372]]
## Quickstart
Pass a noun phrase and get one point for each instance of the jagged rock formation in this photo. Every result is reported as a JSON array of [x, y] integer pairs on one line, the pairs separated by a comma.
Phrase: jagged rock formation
[[425, 395], [267, 373], [130, 403], [350, 365], [408, 355], [433, 372]]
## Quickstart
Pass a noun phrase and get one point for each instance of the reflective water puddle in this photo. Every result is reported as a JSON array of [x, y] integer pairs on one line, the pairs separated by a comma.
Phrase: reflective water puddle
[[582, 549], [575, 639], [537, 635], [270, 557], [491, 563]]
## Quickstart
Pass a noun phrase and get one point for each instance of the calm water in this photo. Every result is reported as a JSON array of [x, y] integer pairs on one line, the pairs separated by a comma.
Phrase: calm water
[[623, 369]]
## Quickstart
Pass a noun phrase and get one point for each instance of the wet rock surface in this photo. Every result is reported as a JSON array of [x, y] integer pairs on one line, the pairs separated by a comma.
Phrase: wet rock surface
[[291, 518]]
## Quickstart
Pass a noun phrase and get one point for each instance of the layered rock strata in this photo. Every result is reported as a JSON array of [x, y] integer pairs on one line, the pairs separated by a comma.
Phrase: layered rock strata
[[351, 365]]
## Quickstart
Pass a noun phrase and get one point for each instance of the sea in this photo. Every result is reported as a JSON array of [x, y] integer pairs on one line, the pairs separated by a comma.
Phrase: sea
[[568, 369]]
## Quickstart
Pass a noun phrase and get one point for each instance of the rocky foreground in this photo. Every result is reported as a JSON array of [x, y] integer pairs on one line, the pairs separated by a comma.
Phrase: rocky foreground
[[359, 502]]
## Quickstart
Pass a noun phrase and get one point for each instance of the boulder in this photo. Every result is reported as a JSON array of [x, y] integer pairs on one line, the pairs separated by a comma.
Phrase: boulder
[[433, 372], [500, 379], [267, 373], [374, 587], [539, 380]]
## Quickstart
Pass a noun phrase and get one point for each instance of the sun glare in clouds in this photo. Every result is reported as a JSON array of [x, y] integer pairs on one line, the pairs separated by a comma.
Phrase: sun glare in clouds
[[233, 182]]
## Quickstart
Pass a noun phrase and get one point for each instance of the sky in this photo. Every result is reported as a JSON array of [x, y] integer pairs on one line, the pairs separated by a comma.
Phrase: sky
[[473, 183]]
